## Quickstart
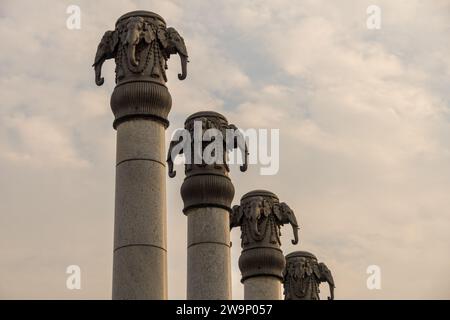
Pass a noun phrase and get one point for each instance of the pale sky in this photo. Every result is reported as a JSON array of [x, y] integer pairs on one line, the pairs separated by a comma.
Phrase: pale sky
[[363, 115]]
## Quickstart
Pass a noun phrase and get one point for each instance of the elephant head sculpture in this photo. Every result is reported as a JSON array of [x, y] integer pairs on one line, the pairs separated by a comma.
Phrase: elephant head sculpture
[[285, 215], [256, 209], [141, 45], [136, 30], [260, 216], [106, 50], [173, 43], [302, 277], [325, 276]]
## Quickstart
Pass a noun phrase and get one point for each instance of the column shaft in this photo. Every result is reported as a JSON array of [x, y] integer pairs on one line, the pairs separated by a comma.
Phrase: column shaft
[[262, 288], [208, 255], [140, 267]]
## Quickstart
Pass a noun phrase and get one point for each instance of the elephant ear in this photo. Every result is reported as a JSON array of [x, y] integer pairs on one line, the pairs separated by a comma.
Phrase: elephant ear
[[123, 37], [161, 34], [99, 55], [105, 49], [317, 271], [277, 212], [288, 214], [267, 207], [149, 34], [326, 274], [236, 216], [114, 40], [181, 46]]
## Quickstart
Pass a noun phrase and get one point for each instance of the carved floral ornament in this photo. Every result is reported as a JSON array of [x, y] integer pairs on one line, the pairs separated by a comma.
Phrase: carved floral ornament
[[260, 218], [141, 45]]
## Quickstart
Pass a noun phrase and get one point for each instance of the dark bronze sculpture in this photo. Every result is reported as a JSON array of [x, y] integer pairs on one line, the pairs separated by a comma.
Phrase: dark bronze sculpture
[[303, 275], [141, 45]]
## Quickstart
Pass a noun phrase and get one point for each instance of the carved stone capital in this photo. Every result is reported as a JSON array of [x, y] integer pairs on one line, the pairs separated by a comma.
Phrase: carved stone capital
[[140, 44], [260, 216], [207, 184], [141, 99], [303, 275], [208, 120]]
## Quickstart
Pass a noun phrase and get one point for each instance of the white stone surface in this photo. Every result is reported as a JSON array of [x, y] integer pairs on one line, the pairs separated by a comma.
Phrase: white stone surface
[[209, 267], [140, 204], [139, 273], [140, 139], [140, 235], [262, 288]]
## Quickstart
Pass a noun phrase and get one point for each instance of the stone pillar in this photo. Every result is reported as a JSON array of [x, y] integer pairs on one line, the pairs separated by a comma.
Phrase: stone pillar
[[140, 44], [207, 193], [260, 216], [302, 276]]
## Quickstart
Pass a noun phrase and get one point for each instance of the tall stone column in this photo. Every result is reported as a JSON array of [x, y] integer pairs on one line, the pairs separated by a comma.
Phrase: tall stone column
[[303, 275], [207, 193], [260, 216], [141, 45]]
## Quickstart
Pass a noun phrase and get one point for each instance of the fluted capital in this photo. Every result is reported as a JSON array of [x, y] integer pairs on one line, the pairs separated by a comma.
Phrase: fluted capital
[[260, 216], [303, 275], [207, 190], [261, 262], [141, 99]]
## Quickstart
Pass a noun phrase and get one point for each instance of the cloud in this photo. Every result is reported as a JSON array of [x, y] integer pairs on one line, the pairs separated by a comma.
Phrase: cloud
[[39, 142]]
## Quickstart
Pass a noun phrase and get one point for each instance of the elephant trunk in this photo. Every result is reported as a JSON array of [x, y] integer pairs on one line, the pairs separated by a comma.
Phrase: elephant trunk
[[132, 55], [132, 40], [331, 297], [99, 80], [244, 165], [184, 61], [255, 228], [295, 230], [172, 173], [254, 220]]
